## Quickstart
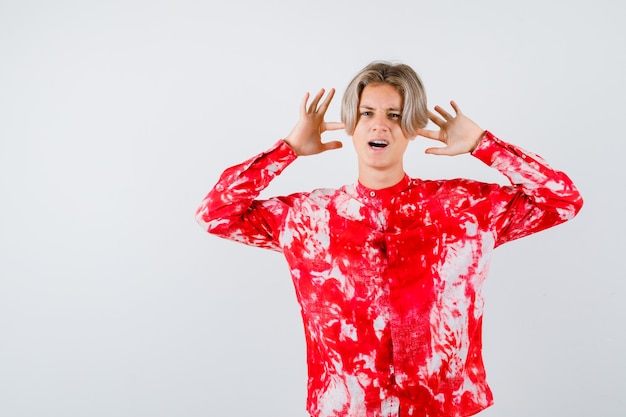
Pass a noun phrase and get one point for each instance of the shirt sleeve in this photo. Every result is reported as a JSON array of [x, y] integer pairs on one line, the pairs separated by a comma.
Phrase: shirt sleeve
[[230, 210], [539, 197]]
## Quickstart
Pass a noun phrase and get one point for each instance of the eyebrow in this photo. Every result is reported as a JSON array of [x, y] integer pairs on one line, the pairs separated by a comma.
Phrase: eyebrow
[[388, 108]]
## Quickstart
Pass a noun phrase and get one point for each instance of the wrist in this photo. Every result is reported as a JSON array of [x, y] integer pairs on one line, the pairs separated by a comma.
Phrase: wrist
[[286, 141], [479, 134]]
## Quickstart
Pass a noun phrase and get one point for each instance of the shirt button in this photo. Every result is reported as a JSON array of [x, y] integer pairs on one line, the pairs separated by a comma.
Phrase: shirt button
[[372, 193]]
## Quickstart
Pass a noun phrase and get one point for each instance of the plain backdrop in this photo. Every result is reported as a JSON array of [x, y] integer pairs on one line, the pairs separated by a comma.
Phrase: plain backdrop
[[117, 117]]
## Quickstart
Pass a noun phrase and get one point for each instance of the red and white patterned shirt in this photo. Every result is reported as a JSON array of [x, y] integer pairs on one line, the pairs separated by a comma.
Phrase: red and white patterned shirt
[[390, 281]]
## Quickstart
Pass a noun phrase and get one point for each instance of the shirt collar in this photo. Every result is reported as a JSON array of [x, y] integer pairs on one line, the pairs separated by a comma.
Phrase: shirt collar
[[384, 193]]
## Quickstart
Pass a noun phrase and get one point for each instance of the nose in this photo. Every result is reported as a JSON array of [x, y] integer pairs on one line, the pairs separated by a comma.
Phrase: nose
[[380, 123]]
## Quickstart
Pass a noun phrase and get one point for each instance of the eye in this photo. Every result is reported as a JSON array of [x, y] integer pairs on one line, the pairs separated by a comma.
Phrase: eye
[[366, 113], [395, 115]]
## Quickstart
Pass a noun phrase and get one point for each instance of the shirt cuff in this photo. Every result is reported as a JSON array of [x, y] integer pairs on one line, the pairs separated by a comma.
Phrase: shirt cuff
[[280, 155], [280, 151], [488, 148]]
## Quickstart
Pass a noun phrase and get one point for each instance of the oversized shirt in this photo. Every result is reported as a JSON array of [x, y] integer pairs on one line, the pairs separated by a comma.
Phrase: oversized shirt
[[390, 281]]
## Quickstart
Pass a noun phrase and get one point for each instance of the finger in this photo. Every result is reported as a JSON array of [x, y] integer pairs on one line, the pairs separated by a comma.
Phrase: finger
[[455, 106], [447, 116], [436, 119], [326, 102], [333, 126], [316, 99], [305, 99], [430, 134]]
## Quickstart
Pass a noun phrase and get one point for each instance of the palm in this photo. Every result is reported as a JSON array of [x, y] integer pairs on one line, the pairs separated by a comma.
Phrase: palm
[[306, 136], [459, 133]]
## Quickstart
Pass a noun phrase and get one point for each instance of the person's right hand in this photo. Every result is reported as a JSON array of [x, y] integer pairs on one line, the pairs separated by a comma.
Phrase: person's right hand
[[306, 136]]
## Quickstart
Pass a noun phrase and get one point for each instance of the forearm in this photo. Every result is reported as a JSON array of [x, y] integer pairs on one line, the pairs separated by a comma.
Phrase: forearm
[[549, 189], [229, 204]]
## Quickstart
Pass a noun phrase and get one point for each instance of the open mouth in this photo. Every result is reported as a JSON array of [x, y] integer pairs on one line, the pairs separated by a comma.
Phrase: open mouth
[[378, 144]]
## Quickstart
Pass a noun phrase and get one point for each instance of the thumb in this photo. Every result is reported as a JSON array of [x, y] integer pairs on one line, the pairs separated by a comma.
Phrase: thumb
[[335, 144], [438, 151]]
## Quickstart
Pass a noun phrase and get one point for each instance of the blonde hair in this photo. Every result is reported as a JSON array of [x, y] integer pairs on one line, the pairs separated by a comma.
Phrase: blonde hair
[[404, 79]]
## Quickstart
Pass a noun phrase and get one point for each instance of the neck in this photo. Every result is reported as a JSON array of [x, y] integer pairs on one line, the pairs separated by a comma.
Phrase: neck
[[377, 180]]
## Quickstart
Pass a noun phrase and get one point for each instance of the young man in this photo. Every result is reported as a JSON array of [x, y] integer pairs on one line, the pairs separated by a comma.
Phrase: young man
[[388, 271]]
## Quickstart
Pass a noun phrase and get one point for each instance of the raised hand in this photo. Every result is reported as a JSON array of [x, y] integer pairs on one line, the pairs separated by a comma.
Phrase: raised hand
[[459, 133], [306, 136]]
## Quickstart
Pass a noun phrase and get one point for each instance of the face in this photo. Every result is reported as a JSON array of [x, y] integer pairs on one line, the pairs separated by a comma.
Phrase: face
[[378, 137]]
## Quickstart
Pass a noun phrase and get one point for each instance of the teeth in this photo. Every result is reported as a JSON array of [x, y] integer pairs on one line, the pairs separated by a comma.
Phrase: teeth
[[378, 143]]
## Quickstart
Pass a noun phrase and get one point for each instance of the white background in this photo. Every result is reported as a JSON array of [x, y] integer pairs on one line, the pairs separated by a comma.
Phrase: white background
[[117, 117]]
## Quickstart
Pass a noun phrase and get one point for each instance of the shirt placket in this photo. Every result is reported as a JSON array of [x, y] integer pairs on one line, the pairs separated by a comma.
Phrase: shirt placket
[[389, 252]]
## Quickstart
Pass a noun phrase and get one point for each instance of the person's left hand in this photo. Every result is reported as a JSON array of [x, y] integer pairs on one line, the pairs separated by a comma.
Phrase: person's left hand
[[459, 133]]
